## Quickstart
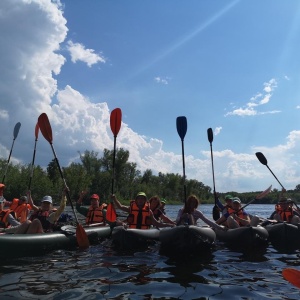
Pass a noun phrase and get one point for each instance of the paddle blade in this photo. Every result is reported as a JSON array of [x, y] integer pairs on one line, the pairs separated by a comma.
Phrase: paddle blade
[[181, 125], [216, 213], [36, 131], [292, 275], [16, 130], [111, 215], [82, 238], [264, 193], [45, 127], [261, 158], [115, 121], [210, 135]]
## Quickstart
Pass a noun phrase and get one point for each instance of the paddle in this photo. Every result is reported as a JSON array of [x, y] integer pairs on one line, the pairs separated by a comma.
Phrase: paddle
[[264, 161], [181, 124], [16, 132], [292, 276], [259, 196], [36, 133], [45, 127], [115, 125], [216, 211]]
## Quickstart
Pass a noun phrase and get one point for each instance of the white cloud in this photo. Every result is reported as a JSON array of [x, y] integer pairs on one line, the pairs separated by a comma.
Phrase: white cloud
[[162, 80], [257, 100], [79, 53]]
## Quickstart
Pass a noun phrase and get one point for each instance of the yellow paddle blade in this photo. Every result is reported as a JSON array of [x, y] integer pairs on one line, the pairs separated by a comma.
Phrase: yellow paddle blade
[[292, 275], [82, 238]]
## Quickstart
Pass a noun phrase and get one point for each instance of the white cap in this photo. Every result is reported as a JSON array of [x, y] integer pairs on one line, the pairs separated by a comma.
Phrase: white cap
[[47, 199]]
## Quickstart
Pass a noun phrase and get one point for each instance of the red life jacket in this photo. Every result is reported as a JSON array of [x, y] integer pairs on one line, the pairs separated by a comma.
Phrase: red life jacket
[[42, 216], [95, 215], [14, 204], [133, 220]]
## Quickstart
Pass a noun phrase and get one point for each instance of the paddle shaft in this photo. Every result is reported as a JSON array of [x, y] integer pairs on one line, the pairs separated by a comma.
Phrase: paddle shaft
[[65, 184], [275, 176], [113, 166], [32, 165], [212, 167], [183, 167], [8, 160]]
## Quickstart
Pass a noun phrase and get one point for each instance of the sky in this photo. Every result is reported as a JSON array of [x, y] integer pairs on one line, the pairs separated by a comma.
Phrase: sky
[[233, 66]]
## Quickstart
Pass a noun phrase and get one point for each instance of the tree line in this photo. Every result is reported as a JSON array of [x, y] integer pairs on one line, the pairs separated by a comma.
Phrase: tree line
[[94, 174]]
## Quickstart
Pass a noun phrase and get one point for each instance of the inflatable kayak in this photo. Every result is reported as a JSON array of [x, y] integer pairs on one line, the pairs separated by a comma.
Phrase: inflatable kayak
[[21, 245], [133, 239], [245, 238], [188, 239], [284, 237]]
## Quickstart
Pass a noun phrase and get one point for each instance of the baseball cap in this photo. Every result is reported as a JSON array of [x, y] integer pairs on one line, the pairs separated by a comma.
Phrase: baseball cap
[[228, 197], [163, 200], [95, 196], [236, 199], [141, 194], [47, 199]]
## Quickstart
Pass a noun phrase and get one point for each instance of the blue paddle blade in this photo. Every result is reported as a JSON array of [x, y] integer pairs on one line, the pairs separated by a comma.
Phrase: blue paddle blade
[[181, 125]]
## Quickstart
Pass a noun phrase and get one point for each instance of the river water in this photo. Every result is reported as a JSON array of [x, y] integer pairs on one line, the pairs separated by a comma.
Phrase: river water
[[102, 273]]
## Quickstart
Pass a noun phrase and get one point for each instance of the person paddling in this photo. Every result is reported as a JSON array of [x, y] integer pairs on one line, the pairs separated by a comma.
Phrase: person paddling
[[140, 215], [189, 214], [7, 217], [155, 206], [95, 213]]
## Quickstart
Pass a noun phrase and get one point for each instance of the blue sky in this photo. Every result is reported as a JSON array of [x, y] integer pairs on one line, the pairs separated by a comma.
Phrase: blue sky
[[229, 65]]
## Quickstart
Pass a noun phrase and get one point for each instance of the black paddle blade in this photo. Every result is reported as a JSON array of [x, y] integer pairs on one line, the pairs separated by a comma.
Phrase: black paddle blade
[[261, 158], [210, 135], [216, 213], [181, 125], [16, 130]]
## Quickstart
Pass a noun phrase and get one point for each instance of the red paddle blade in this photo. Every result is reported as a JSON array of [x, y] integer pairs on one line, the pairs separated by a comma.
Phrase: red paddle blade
[[292, 275], [115, 121], [111, 215], [45, 127], [82, 238], [36, 131]]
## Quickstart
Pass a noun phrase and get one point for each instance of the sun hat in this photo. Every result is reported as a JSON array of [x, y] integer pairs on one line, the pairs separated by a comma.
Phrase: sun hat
[[141, 194], [47, 199], [95, 196], [236, 199]]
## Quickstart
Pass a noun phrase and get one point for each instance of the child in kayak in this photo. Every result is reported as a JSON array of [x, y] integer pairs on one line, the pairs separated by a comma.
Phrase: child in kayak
[[155, 206]]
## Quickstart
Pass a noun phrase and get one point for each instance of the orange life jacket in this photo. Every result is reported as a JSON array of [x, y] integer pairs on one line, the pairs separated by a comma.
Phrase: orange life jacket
[[3, 217], [14, 204], [230, 210], [241, 215], [22, 212], [95, 215], [133, 220], [285, 215]]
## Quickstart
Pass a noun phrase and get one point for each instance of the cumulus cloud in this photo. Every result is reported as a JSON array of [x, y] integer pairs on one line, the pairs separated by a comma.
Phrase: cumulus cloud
[[162, 80], [79, 53], [251, 108]]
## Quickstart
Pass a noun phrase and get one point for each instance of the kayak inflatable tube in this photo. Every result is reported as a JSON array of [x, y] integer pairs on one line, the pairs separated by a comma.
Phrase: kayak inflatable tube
[[133, 239], [284, 237], [246, 238], [188, 239], [22, 245]]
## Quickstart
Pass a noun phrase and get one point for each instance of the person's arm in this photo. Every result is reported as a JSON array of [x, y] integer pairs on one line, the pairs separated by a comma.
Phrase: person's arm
[[30, 202], [159, 224], [118, 204], [244, 222], [12, 221], [207, 221], [55, 215], [166, 219], [179, 216]]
